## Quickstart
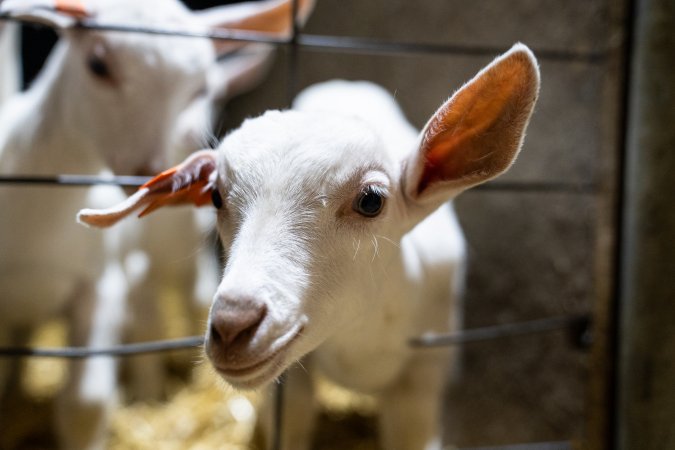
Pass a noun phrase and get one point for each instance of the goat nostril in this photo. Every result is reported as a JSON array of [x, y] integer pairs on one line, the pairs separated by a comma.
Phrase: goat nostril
[[215, 335], [236, 326]]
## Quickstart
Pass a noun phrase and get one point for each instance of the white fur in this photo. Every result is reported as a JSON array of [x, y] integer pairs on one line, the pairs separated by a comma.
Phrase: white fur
[[10, 67], [153, 109]]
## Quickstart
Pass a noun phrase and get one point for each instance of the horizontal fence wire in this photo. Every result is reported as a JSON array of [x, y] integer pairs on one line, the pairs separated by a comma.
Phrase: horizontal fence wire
[[347, 44], [73, 180], [557, 445], [66, 180], [376, 46], [192, 342], [578, 325]]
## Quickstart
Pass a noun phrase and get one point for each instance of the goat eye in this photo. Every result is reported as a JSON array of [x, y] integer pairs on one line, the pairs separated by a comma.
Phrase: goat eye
[[369, 202], [98, 67], [216, 199]]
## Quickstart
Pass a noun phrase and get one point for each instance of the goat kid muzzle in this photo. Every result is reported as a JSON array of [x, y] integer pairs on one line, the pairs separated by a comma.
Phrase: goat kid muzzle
[[244, 342]]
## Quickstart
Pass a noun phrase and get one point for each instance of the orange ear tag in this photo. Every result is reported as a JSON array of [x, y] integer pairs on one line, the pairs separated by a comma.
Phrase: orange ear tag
[[164, 192], [74, 8]]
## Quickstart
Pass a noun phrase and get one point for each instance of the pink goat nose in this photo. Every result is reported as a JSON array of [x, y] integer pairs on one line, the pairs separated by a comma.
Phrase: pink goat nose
[[235, 326]]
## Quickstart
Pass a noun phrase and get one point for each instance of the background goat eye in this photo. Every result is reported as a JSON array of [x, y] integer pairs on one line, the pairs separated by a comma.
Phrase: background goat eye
[[369, 203], [216, 199], [98, 67]]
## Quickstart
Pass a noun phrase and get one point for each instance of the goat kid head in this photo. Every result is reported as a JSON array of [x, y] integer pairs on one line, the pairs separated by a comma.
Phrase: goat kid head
[[302, 198], [140, 99]]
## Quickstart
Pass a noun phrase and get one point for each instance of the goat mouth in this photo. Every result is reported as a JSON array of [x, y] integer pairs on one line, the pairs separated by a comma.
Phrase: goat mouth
[[261, 371]]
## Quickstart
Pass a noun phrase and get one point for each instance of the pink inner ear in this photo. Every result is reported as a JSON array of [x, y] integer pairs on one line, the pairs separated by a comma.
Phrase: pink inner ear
[[268, 17], [477, 133]]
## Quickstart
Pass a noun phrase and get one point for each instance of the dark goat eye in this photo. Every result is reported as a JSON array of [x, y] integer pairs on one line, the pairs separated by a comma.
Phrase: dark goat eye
[[98, 67], [369, 202], [216, 199]]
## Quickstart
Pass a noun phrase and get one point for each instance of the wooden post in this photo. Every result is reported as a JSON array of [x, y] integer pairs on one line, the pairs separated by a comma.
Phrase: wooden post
[[646, 381]]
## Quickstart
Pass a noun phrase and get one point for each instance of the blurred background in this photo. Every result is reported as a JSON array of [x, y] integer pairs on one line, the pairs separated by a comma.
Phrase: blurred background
[[565, 232]]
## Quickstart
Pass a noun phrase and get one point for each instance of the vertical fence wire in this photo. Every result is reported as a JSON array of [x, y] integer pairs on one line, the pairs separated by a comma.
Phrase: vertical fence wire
[[291, 90], [629, 19]]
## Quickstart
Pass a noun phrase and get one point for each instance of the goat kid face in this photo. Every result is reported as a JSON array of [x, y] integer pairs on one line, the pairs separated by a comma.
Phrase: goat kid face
[[132, 92], [304, 223], [312, 207], [140, 98]]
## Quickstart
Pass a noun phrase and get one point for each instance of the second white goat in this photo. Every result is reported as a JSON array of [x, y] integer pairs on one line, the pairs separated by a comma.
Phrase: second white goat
[[104, 101]]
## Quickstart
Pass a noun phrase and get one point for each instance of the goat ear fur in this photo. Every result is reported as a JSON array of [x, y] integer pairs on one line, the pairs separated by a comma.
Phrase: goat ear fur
[[269, 16], [58, 14], [477, 134], [191, 182]]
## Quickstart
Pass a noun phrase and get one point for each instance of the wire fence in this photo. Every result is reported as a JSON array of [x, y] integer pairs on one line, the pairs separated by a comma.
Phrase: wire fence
[[78, 180], [345, 44], [579, 327], [299, 40]]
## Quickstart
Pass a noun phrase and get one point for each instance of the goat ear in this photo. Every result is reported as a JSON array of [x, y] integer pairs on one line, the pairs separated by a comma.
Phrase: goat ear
[[239, 72], [476, 135], [57, 14], [269, 16], [191, 182], [234, 75]]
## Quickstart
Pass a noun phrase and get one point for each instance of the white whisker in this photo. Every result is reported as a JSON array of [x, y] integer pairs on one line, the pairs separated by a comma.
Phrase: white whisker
[[395, 244], [358, 246], [376, 248]]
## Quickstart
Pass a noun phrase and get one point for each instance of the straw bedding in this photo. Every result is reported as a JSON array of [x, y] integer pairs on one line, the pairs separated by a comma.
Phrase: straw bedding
[[200, 413]]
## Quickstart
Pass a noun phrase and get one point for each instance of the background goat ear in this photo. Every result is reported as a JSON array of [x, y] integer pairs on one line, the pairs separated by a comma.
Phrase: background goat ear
[[239, 72], [58, 14], [191, 182], [476, 135], [236, 74], [269, 16]]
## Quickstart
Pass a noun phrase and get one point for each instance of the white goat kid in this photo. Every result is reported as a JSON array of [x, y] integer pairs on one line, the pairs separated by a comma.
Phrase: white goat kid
[[105, 100], [340, 241]]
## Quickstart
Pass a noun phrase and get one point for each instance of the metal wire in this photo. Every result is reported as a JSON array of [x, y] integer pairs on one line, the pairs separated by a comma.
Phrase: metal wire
[[279, 412], [561, 445], [376, 46], [331, 43], [291, 90], [580, 325], [118, 350], [74, 180]]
